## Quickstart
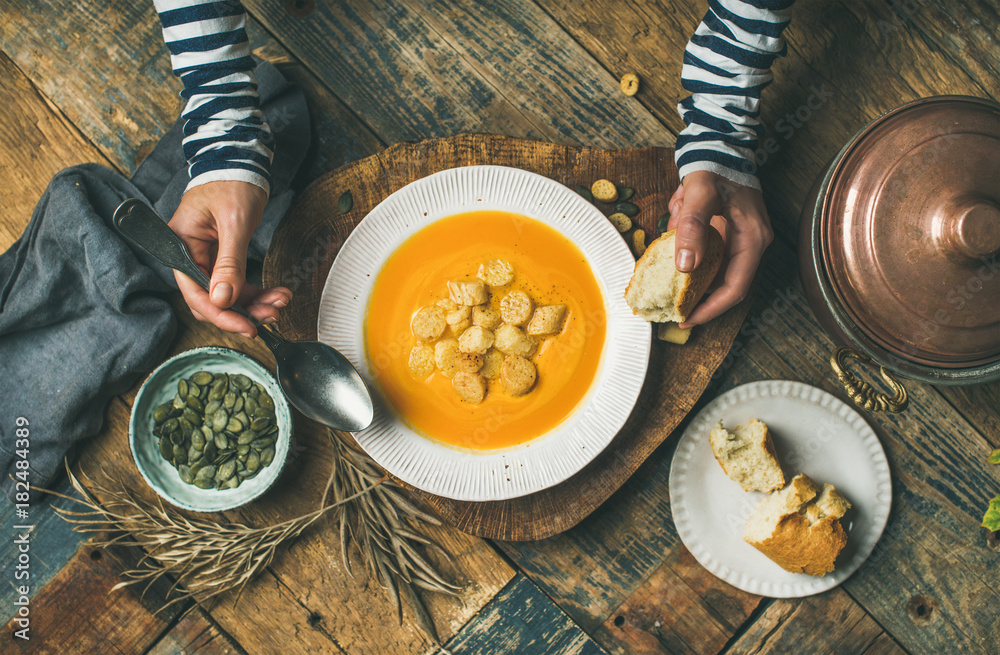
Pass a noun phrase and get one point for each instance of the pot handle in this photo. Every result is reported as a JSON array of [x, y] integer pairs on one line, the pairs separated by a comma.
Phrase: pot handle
[[860, 391]]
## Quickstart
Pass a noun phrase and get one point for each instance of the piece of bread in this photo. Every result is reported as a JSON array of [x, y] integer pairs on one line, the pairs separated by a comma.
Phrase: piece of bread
[[428, 323], [673, 333], [492, 361], [485, 317], [468, 292], [799, 527], [445, 356], [658, 292], [470, 387], [516, 308], [517, 375], [747, 456], [547, 319], [511, 340], [496, 273], [475, 340]]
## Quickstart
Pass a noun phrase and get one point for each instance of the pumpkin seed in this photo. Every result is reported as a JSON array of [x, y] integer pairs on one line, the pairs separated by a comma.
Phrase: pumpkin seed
[[202, 378], [186, 427], [182, 388], [627, 208], [179, 402], [253, 461], [198, 439], [220, 420], [177, 438], [231, 483], [243, 449], [625, 193], [220, 441], [663, 223], [167, 450], [238, 407], [585, 192], [180, 455], [265, 402], [193, 402], [211, 452], [227, 470], [212, 407], [267, 456], [191, 416], [247, 438], [203, 483], [160, 413], [250, 406], [219, 388], [263, 442], [193, 454], [229, 400], [346, 202], [185, 472], [234, 425], [193, 389], [260, 424]]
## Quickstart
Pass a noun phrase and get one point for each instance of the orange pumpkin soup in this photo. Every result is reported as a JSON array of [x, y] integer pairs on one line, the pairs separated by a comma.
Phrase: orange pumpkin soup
[[547, 266]]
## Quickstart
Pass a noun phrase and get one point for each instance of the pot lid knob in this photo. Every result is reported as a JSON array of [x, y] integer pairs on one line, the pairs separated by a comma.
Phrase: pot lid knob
[[972, 230]]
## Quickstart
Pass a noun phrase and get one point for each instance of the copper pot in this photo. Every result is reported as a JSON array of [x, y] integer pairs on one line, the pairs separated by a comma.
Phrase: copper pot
[[899, 247]]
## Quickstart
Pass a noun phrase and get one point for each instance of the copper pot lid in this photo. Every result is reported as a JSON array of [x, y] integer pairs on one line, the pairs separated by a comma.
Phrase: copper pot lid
[[911, 241]]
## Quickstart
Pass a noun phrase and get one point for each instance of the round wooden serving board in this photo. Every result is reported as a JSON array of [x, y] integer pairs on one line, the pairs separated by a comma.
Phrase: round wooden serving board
[[306, 243]]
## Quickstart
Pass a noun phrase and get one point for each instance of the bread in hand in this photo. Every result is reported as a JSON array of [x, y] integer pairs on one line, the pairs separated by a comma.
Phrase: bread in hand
[[747, 456], [658, 292], [799, 527]]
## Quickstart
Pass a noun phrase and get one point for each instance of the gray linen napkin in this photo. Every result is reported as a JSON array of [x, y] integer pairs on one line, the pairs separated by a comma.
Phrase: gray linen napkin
[[83, 316]]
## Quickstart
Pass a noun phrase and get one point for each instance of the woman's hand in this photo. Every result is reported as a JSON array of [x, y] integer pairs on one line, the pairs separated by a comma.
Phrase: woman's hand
[[738, 213], [216, 221]]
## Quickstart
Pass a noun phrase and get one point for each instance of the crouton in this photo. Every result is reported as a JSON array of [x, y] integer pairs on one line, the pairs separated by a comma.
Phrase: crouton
[[468, 292], [459, 314], [517, 375], [421, 360], [485, 317], [604, 191], [547, 319], [475, 340], [447, 304], [672, 332], [491, 364], [459, 328], [445, 355], [470, 387], [469, 362], [428, 323], [510, 340], [516, 308], [496, 273]]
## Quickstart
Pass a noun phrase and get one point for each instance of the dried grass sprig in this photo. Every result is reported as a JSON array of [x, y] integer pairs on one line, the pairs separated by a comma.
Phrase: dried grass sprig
[[206, 558], [383, 527]]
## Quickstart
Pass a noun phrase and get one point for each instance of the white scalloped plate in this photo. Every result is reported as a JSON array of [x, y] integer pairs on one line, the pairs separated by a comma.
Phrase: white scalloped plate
[[814, 433], [543, 462]]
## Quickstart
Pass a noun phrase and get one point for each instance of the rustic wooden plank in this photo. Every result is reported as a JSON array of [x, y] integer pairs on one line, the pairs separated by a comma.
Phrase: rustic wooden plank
[[884, 644], [116, 86], [844, 68], [666, 614], [76, 612], [830, 623], [195, 633], [452, 66], [36, 143], [522, 620]]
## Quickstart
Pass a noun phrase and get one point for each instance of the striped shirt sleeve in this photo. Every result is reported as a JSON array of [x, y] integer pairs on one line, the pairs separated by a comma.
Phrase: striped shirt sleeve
[[726, 65], [225, 134]]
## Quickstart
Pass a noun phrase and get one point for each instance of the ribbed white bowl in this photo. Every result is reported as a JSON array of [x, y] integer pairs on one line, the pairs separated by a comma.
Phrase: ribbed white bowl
[[551, 458]]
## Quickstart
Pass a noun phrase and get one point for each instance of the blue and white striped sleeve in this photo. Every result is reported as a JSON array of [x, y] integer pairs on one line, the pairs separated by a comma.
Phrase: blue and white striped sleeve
[[225, 134], [726, 64]]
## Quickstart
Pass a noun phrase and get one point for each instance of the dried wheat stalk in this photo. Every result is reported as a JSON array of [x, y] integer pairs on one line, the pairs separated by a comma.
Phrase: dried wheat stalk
[[383, 526], [206, 558]]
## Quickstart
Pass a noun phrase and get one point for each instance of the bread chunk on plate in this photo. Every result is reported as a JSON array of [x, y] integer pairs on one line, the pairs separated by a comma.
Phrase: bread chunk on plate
[[747, 456], [798, 528], [658, 292]]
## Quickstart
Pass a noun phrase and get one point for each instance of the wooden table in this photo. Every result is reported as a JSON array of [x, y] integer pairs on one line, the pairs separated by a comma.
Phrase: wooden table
[[93, 84]]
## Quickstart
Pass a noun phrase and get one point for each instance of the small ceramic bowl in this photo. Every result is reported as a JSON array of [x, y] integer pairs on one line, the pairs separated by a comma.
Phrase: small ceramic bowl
[[160, 387]]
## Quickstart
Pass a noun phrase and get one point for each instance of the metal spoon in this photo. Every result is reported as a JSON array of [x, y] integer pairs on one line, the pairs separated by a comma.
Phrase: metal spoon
[[317, 379]]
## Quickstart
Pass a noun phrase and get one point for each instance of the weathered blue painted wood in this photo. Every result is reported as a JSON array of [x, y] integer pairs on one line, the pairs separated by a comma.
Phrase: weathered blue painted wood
[[521, 620], [52, 543]]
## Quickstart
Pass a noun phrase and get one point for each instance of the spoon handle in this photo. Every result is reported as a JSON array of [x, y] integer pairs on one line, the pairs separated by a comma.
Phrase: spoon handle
[[144, 227]]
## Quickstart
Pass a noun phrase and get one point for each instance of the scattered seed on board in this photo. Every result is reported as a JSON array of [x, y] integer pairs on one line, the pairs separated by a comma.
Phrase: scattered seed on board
[[663, 223], [625, 193], [627, 208], [345, 203], [621, 222], [629, 84], [585, 192], [604, 191], [639, 242]]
